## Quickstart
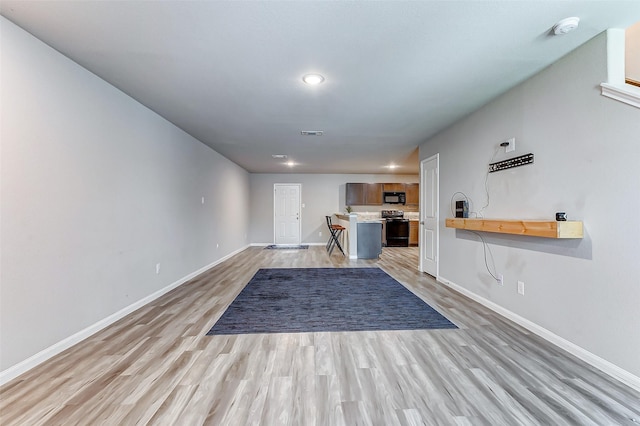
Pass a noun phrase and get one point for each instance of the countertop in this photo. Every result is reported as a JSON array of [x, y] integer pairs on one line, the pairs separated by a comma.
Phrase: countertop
[[375, 216]]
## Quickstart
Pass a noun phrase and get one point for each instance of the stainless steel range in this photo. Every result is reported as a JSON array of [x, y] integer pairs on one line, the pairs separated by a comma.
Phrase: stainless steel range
[[396, 228]]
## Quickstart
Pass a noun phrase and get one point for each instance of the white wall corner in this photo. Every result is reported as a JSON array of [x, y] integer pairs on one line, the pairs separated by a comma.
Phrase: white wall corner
[[602, 364], [615, 56], [353, 236]]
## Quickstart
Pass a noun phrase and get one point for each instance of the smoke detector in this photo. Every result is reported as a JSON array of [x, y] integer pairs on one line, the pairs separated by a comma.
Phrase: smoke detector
[[566, 25]]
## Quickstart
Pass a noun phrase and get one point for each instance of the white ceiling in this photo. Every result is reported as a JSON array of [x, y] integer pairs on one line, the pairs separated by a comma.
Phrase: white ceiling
[[397, 72]]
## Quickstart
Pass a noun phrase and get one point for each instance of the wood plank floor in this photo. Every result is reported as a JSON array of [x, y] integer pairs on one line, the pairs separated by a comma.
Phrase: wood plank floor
[[157, 366]]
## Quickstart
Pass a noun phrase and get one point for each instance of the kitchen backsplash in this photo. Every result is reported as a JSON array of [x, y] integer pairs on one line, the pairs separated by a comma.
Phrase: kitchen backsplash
[[364, 216]]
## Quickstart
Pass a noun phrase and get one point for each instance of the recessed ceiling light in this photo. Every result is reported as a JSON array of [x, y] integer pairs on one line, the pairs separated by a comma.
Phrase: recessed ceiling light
[[566, 25], [391, 166], [313, 79], [290, 163]]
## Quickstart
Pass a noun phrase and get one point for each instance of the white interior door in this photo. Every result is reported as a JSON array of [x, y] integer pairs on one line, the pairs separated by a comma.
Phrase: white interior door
[[429, 201], [286, 210]]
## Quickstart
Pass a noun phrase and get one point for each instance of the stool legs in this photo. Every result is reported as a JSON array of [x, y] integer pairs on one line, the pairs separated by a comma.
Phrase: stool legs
[[334, 240]]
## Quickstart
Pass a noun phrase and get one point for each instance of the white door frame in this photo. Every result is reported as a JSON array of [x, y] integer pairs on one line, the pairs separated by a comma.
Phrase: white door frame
[[423, 197], [275, 230]]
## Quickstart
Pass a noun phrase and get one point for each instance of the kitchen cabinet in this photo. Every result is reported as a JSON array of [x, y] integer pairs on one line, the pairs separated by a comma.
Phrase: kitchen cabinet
[[364, 194], [393, 187], [355, 194], [414, 229], [370, 194], [412, 191], [373, 194]]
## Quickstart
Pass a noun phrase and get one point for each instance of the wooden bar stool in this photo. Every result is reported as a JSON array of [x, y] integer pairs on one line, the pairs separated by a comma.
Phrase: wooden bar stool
[[335, 232]]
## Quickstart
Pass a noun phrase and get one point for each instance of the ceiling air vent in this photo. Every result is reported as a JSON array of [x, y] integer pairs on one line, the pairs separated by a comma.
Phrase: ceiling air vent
[[312, 133]]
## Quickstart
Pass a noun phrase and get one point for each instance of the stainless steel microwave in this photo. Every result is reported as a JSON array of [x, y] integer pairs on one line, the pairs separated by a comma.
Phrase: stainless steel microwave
[[394, 198]]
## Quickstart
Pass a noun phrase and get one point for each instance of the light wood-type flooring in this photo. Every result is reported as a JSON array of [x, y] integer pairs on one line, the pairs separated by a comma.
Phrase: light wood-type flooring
[[157, 366]]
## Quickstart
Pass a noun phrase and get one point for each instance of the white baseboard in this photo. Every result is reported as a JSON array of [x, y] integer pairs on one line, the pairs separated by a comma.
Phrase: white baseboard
[[47, 353], [588, 357]]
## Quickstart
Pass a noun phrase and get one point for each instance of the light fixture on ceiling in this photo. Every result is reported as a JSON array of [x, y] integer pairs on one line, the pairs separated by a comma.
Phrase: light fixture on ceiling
[[283, 157], [566, 25], [312, 132], [313, 79], [391, 166]]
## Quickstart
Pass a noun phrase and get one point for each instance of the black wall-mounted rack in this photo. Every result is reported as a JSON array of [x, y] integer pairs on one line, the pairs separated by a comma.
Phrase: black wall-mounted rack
[[511, 162]]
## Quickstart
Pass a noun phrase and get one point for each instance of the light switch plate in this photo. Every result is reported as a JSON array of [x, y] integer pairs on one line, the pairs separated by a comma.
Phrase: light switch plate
[[512, 145]]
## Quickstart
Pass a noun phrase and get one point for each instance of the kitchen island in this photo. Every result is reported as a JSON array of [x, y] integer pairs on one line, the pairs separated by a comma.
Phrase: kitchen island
[[369, 239], [369, 244]]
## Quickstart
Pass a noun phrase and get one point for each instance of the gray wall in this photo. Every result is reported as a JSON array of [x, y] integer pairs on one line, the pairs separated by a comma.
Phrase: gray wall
[[97, 189], [322, 195], [587, 149]]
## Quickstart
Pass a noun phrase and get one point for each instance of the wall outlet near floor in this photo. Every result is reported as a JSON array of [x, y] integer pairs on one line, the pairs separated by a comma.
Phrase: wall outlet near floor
[[500, 279], [521, 287], [217, 245], [319, 233], [157, 268]]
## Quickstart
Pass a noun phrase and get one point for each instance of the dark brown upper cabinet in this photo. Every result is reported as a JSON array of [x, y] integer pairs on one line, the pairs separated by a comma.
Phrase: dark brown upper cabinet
[[370, 194], [364, 194], [412, 191], [393, 187]]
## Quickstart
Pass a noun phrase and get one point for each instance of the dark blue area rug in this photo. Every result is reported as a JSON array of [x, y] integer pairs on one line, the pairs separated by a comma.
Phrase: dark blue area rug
[[296, 300], [276, 247]]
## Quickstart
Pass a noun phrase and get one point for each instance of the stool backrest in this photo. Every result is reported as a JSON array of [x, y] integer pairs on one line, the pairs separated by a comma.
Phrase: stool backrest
[[329, 221]]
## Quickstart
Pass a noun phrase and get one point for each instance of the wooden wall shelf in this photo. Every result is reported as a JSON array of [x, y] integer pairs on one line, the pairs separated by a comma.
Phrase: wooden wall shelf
[[532, 228]]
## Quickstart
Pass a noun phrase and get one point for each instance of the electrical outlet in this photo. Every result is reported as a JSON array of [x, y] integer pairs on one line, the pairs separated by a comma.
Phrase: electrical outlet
[[157, 268], [202, 200], [521, 287], [217, 245], [512, 145], [319, 233], [500, 279]]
